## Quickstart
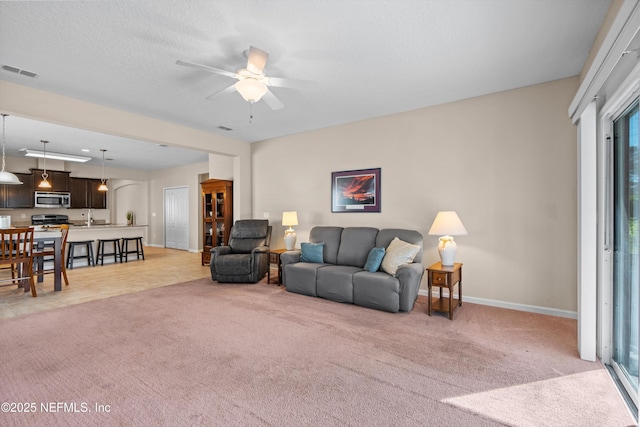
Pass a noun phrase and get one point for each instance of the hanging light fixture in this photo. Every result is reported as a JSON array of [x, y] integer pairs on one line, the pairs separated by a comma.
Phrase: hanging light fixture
[[251, 89], [6, 177], [103, 186], [44, 183]]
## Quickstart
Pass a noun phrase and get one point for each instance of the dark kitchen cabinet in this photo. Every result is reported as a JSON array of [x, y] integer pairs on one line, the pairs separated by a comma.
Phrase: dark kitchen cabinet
[[18, 196], [85, 194], [79, 194], [59, 180], [97, 199]]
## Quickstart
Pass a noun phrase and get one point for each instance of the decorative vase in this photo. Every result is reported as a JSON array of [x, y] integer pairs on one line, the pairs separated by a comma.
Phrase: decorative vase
[[447, 248], [290, 239]]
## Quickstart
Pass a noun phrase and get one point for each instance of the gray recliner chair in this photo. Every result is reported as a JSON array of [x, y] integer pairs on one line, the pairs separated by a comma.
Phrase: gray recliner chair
[[246, 258]]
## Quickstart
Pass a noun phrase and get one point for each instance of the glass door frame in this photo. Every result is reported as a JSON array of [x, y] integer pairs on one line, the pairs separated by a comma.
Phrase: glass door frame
[[625, 96]]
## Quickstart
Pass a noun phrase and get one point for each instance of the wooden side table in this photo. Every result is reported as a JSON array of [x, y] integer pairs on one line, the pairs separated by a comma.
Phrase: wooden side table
[[274, 258], [444, 277]]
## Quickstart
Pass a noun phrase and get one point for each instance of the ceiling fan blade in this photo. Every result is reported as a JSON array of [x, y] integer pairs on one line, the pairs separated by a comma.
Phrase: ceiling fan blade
[[272, 101], [207, 68], [291, 83], [228, 89], [257, 60]]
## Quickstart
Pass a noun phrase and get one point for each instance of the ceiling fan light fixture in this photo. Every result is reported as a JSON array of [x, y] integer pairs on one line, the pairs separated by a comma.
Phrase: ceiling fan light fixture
[[251, 89]]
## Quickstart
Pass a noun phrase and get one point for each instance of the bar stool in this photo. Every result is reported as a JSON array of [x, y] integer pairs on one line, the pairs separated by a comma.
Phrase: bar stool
[[125, 248], [72, 256], [117, 251]]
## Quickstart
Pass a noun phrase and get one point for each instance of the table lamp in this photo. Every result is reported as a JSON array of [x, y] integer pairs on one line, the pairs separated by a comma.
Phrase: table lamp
[[447, 224], [289, 219]]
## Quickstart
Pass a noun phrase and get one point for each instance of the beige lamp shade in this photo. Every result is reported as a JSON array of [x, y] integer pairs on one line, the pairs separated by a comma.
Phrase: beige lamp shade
[[290, 218], [447, 223]]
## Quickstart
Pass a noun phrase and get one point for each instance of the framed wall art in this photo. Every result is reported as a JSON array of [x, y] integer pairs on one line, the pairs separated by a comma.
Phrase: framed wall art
[[355, 191]]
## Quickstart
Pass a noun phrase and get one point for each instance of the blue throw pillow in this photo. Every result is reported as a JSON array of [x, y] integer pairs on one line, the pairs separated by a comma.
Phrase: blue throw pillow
[[374, 259], [312, 252]]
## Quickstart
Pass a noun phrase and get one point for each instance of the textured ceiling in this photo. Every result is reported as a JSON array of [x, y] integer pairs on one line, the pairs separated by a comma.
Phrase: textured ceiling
[[368, 58]]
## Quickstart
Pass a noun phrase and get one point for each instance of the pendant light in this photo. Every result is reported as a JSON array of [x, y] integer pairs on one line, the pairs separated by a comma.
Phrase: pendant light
[[44, 183], [103, 186], [6, 177]]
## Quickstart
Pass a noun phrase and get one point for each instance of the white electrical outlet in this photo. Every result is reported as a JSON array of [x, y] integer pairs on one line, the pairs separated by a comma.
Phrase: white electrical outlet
[[23, 216], [265, 215]]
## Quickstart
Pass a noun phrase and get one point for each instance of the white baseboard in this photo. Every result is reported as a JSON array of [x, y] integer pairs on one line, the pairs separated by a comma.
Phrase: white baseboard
[[162, 246], [513, 306]]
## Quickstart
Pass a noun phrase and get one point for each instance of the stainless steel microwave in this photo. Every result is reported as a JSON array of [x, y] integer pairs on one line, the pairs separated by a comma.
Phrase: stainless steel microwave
[[52, 200]]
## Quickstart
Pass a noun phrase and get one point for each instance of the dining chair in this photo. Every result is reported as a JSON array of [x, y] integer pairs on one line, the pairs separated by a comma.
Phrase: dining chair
[[48, 253], [16, 251]]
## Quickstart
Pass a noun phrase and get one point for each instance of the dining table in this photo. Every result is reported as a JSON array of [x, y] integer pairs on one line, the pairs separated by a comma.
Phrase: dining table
[[48, 236]]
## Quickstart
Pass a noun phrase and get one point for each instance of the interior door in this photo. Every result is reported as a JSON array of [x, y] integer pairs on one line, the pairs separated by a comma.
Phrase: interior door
[[176, 218]]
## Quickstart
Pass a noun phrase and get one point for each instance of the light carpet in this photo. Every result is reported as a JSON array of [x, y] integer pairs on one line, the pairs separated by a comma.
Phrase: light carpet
[[203, 353]]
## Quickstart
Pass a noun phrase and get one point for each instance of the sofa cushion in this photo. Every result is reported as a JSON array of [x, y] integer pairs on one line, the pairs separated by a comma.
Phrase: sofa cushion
[[376, 290], [386, 235], [335, 282], [245, 246], [398, 253], [355, 244], [312, 252], [301, 277], [233, 264], [374, 259], [247, 234], [250, 228], [331, 238]]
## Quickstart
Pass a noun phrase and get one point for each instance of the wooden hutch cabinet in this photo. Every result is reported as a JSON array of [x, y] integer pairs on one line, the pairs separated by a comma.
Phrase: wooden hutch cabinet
[[217, 215]]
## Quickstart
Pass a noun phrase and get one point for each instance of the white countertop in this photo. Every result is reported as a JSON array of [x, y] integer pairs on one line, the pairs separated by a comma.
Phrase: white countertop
[[87, 227]]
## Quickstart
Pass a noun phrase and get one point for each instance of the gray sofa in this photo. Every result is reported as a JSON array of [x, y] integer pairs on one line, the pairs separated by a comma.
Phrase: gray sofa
[[341, 276]]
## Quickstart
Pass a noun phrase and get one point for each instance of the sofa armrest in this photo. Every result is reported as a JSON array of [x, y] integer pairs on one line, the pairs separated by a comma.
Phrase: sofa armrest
[[260, 249], [289, 257], [220, 250], [409, 276]]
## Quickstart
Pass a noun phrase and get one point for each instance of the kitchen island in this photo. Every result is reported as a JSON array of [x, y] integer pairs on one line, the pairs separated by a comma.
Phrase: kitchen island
[[103, 231]]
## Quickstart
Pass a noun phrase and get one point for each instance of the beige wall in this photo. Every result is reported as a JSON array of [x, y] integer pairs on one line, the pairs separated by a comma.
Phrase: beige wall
[[505, 162], [183, 176]]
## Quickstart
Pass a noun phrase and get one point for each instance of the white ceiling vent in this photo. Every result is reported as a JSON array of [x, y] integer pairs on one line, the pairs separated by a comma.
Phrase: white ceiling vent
[[19, 71]]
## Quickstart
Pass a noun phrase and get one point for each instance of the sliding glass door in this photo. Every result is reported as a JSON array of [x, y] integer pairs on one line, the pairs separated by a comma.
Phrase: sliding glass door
[[626, 245]]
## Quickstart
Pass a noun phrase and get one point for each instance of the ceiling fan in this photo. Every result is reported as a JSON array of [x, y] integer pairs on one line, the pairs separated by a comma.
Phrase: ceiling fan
[[253, 85]]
